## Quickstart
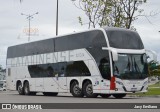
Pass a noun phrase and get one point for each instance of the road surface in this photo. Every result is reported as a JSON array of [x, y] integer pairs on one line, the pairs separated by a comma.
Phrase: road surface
[[13, 97]]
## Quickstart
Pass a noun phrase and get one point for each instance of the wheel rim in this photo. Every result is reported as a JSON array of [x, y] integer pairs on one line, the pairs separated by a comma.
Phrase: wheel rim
[[89, 89], [76, 89]]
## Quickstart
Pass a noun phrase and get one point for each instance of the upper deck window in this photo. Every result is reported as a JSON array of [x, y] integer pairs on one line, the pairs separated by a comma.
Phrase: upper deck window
[[124, 39]]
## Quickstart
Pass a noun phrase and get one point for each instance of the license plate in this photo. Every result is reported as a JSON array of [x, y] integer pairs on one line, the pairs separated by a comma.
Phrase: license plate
[[133, 89]]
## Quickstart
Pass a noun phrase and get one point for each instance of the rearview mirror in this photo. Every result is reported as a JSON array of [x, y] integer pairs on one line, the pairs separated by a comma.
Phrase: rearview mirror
[[154, 54], [114, 53]]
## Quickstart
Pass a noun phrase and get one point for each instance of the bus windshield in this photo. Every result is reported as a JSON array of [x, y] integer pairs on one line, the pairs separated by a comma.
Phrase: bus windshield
[[131, 66], [124, 39]]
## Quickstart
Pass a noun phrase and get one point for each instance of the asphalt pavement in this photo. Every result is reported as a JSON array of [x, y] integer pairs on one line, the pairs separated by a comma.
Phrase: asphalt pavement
[[13, 97]]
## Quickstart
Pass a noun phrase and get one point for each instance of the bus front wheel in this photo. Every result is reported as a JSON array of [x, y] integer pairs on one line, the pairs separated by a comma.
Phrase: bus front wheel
[[119, 95], [20, 89], [75, 90], [88, 90]]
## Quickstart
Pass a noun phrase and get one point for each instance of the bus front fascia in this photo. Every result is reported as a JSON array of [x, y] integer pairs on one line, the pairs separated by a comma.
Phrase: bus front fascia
[[114, 55]]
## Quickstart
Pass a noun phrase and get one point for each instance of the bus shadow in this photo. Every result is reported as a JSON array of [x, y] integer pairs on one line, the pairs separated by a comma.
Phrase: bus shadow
[[65, 96]]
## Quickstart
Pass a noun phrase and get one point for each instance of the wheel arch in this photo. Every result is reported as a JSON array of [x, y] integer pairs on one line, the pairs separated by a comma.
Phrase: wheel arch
[[71, 82], [85, 80], [25, 81]]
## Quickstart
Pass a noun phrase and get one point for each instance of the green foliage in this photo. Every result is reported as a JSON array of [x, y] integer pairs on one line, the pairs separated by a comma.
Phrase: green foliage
[[151, 92], [155, 85], [153, 68], [116, 13]]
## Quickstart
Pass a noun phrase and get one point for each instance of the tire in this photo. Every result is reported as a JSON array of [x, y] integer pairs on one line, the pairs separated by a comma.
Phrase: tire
[[88, 90], [26, 88], [105, 95], [20, 89], [50, 94], [119, 95], [75, 90]]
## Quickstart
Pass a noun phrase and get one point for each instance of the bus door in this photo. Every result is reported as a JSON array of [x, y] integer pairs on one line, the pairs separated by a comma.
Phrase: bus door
[[61, 78], [50, 84], [105, 71]]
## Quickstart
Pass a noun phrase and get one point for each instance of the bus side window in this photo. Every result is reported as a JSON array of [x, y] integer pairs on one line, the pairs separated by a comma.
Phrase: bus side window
[[50, 71], [104, 68], [77, 68], [62, 68]]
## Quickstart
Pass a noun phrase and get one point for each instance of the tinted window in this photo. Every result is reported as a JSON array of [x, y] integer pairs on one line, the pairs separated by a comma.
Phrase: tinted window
[[80, 40], [102, 58], [104, 68], [69, 42], [32, 48], [62, 69], [47, 70], [124, 39], [77, 68]]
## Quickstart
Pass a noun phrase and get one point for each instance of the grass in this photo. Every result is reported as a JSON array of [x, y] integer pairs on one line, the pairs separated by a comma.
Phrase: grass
[[151, 90], [155, 85]]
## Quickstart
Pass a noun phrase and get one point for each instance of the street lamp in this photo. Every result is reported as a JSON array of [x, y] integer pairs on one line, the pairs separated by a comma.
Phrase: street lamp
[[29, 17], [57, 20]]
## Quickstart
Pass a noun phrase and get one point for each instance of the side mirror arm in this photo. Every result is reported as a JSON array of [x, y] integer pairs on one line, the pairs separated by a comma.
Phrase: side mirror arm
[[114, 53]]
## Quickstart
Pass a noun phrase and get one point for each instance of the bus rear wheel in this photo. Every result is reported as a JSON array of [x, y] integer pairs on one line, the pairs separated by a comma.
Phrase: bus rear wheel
[[105, 95], [20, 89], [88, 90], [75, 90], [119, 95]]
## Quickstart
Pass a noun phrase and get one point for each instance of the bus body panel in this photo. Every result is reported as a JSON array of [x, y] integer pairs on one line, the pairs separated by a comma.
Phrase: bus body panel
[[11, 78], [50, 84]]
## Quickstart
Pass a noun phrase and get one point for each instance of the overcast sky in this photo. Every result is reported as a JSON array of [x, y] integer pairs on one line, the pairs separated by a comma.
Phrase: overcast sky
[[13, 24]]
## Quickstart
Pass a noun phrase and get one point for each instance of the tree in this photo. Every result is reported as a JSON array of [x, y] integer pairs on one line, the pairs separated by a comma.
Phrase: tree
[[116, 13], [153, 68]]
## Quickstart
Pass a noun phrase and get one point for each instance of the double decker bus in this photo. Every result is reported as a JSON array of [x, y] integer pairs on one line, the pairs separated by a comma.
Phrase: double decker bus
[[105, 61]]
